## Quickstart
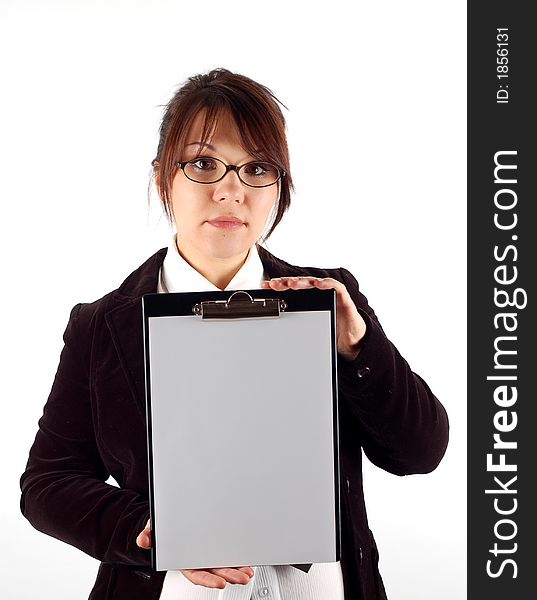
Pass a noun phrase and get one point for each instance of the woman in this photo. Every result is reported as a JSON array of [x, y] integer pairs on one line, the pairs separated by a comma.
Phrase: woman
[[222, 172]]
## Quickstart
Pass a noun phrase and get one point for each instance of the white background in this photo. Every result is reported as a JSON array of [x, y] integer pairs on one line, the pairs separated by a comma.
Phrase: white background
[[376, 90]]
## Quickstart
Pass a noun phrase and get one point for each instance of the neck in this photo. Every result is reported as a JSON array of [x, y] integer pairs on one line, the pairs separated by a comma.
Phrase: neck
[[219, 271]]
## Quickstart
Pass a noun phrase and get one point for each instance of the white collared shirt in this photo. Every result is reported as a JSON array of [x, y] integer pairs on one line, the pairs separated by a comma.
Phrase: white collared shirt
[[324, 580], [176, 275]]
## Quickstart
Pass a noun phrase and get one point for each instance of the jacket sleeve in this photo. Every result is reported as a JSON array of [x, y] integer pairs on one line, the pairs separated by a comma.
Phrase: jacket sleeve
[[403, 425], [64, 493]]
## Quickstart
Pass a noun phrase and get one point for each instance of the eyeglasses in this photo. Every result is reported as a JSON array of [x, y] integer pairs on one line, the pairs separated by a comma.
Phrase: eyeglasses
[[206, 169]]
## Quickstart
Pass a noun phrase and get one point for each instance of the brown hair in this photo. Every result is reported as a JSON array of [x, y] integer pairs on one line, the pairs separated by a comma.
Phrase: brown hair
[[253, 108]]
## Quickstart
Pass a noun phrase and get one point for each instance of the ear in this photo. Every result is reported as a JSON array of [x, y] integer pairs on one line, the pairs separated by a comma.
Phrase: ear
[[156, 173]]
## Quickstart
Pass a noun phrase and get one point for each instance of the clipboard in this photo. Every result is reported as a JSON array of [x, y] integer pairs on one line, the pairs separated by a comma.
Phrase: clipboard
[[242, 426]]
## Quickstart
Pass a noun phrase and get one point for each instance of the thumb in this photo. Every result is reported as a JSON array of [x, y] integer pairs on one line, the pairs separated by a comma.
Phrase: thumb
[[144, 537]]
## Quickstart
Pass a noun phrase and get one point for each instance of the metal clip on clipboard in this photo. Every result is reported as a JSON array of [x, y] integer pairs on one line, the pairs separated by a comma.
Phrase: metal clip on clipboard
[[238, 308]]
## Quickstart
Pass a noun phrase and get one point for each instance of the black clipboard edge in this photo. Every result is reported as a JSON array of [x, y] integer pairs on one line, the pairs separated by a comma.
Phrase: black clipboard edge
[[172, 304], [149, 427], [335, 408]]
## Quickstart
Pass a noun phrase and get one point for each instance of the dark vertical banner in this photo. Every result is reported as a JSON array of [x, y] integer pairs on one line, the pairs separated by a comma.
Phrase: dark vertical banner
[[502, 258]]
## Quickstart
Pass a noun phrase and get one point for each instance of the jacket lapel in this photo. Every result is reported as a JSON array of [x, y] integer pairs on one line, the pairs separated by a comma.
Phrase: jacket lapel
[[124, 319], [125, 325]]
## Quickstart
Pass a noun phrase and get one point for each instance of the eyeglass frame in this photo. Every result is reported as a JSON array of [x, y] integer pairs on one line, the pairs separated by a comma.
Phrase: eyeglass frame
[[236, 168]]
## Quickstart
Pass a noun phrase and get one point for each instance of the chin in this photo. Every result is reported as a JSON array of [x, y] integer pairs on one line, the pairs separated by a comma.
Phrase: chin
[[228, 249]]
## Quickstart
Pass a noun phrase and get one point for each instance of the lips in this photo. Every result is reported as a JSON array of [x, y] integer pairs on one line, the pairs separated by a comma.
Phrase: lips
[[224, 222]]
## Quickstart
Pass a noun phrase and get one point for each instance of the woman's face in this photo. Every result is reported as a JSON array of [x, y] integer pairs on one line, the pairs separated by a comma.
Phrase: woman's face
[[196, 206]]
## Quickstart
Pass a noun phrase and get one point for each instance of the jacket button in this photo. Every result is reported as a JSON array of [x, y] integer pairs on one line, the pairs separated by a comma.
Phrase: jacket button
[[363, 372]]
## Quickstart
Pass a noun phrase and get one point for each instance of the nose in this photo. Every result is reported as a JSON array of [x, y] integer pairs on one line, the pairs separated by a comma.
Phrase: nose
[[229, 187]]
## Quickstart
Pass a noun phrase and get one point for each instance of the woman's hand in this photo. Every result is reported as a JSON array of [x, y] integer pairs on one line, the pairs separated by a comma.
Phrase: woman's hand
[[350, 327], [144, 537], [211, 578]]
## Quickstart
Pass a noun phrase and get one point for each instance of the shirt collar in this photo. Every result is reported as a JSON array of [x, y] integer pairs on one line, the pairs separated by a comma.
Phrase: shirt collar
[[176, 275]]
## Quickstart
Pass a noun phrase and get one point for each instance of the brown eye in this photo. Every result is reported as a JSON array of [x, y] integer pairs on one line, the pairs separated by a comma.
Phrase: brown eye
[[203, 164], [257, 169]]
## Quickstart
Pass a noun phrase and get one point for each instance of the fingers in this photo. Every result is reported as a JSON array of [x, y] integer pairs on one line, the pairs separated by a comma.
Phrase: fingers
[[300, 283], [218, 578], [204, 578], [234, 575]]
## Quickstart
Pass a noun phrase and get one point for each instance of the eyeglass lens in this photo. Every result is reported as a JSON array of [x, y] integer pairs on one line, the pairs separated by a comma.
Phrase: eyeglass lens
[[209, 170]]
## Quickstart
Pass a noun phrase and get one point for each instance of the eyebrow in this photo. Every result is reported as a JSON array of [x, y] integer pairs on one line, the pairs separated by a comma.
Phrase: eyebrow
[[200, 144], [206, 146]]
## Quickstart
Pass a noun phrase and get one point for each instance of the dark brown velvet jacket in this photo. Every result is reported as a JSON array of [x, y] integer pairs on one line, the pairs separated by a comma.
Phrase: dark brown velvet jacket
[[94, 426]]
